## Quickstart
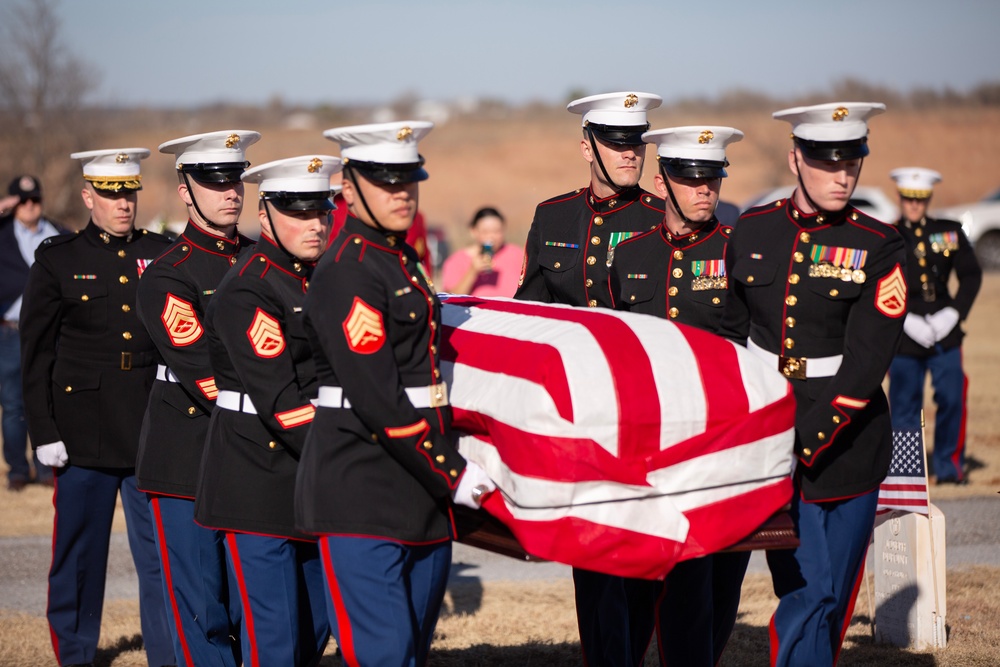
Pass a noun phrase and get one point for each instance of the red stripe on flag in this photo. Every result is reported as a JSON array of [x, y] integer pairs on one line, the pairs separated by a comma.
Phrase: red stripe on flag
[[902, 487], [631, 372], [906, 502], [728, 396], [534, 362]]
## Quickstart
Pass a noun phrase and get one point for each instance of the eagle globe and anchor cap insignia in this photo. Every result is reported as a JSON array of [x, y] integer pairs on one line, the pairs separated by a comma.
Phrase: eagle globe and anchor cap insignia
[[364, 328], [890, 298], [181, 321], [232, 140], [840, 113], [705, 136], [265, 335], [404, 133], [631, 100], [315, 165]]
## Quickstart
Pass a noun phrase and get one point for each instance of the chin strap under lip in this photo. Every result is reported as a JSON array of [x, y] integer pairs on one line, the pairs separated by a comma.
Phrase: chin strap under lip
[[197, 208], [364, 202], [677, 208], [600, 163], [805, 193], [277, 239]]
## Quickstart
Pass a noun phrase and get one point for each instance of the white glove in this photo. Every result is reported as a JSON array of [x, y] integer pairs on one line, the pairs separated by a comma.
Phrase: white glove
[[473, 486], [942, 322], [53, 454], [919, 329]]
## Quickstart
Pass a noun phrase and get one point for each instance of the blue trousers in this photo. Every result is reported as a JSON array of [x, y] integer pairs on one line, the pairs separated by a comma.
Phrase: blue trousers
[[817, 582], [204, 618], [616, 617], [15, 429], [697, 610], [385, 597], [951, 386], [84, 501], [284, 606]]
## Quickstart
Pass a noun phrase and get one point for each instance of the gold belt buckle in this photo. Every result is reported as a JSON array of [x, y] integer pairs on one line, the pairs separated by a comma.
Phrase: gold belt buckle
[[126, 361], [439, 394], [793, 368]]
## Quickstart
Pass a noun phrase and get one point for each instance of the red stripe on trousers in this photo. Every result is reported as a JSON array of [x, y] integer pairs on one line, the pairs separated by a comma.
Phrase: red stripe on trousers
[[168, 579], [344, 636], [849, 612], [234, 554]]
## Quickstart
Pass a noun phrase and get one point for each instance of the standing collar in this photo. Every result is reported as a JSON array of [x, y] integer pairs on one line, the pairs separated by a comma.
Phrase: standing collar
[[283, 260], [219, 245], [389, 241], [681, 241], [101, 238], [616, 200]]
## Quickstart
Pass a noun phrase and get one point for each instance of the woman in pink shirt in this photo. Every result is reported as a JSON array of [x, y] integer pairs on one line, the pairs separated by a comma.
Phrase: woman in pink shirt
[[489, 267]]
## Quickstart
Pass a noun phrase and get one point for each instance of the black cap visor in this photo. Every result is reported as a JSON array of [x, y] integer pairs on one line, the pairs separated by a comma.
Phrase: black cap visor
[[301, 201], [219, 172], [833, 151], [620, 135], [389, 173], [690, 168]]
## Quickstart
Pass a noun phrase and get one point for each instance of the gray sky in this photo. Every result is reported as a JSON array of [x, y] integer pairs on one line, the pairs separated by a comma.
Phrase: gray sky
[[184, 52]]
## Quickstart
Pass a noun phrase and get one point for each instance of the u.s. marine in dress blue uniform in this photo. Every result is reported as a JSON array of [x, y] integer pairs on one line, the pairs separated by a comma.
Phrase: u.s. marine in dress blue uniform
[[678, 272], [567, 259], [172, 305], [266, 377], [817, 289], [88, 368], [932, 332], [380, 465]]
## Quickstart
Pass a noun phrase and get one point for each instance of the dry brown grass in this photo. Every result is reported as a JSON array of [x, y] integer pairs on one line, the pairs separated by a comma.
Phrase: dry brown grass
[[521, 624]]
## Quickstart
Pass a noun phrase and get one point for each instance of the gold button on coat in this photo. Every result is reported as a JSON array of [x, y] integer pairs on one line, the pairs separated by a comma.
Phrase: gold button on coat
[[716, 300], [794, 279], [749, 279], [592, 303], [272, 444], [127, 335], [84, 298], [453, 472], [589, 282], [804, 237], [677, 273], [68, 389], [678, 254], [791, 300], [789, 343], [556, 265], [672, 291], [790, 321], [798, 257], [123, 279], [439, 458], [673, 312], [595, 240], [121, 253], [821, 435], [834, 292], [807, 451], [427, 444], [126, 308], [191, 410], [591, 260], [598, 220]]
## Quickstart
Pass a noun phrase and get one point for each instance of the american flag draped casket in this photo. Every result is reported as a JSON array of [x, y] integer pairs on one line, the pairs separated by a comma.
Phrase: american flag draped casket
[[619, 442]]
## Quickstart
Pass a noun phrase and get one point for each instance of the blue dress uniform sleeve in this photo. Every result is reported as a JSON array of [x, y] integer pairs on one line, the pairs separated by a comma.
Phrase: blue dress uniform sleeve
[[969, 274], [250, 324], [873, 329], [39, 329], [531, 286], [172, 314], [356, 329]]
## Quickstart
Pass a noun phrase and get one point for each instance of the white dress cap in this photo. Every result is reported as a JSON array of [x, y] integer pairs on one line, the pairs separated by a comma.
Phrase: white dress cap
[[224, 146], [617, 109], [694, 142], [383, 143], [836, 121], [306, 173], [915, 182], [113, 169]]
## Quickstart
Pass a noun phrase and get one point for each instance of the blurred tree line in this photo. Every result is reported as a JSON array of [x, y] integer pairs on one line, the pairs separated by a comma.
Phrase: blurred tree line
[[45, 114]]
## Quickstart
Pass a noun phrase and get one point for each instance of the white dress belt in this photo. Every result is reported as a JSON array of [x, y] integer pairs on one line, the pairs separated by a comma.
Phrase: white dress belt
[[816, 367], [235, 401], [433, 396], [164, 374]]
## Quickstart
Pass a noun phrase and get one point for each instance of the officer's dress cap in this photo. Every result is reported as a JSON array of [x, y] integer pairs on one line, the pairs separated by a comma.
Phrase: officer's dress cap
[[212, 157], [113, 169], [617, 118], [383, 152], [296, 183], [834, 131], [915, 182], [695, 151]]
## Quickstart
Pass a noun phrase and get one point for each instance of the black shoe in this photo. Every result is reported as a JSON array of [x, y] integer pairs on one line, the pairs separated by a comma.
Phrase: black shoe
[[17, 484]]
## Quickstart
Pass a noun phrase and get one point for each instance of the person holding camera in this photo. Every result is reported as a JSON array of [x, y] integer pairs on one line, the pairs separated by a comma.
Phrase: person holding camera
[[489, 267]]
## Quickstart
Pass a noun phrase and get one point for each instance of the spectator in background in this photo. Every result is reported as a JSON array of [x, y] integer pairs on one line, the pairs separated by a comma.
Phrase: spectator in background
[[490, 266], [22, 230]]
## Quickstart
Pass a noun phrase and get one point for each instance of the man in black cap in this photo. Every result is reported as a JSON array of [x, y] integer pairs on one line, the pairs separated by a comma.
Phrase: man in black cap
[[567, 259], [678, 272], [88, 367], [173, 298], [22, 230], [817, 289]]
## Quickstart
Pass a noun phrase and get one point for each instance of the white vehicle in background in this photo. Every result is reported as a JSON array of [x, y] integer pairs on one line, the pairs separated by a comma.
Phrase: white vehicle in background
[[867, 199], [981, 223]]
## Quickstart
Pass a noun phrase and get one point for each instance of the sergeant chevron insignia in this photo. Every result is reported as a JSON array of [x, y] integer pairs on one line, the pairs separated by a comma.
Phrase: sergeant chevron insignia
[[180, 321], [890, 298], [364, 328], [265, 335]]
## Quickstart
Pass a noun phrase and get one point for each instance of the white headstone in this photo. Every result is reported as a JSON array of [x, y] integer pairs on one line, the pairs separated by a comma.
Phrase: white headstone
[[909, 568]]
